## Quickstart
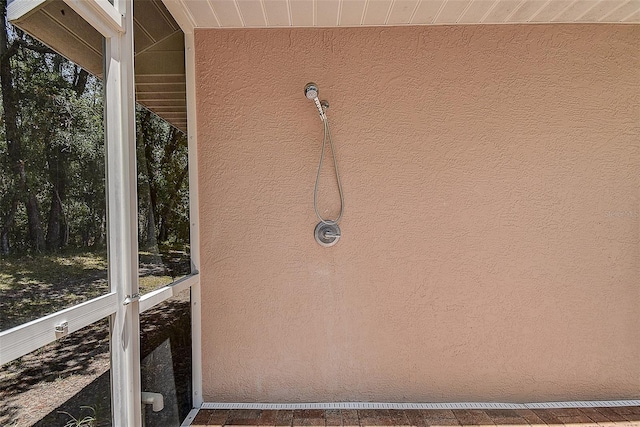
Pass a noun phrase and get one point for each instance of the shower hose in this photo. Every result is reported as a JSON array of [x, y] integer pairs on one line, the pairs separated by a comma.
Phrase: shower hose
[[327, 136]]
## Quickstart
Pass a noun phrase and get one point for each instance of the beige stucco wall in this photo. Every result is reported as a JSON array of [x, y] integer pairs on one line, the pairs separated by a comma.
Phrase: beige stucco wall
[[490, 247]]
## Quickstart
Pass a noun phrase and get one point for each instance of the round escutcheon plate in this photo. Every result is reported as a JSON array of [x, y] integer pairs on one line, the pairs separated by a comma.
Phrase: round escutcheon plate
[[327, 233]]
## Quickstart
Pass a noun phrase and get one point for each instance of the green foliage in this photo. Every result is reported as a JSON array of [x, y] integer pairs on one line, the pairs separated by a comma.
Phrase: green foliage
[[163, 184], [32, 286], [61, 139], [87, 421], [61, 145]]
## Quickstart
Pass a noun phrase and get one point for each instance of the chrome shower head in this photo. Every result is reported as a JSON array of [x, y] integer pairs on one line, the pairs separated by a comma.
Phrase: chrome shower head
[[311, 91]]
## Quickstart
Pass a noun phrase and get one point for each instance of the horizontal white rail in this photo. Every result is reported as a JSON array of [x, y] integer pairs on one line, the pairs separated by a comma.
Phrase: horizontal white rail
[[24, 339], [190, 417], [154, 298], [459, 405]]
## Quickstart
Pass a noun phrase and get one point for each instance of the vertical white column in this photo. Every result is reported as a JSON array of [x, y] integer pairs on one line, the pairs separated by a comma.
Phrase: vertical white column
[[194, 218], [122, 220]]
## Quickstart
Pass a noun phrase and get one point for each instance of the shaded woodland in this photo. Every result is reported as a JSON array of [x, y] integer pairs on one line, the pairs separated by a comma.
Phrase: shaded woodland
[[53, 230], [52, 158]]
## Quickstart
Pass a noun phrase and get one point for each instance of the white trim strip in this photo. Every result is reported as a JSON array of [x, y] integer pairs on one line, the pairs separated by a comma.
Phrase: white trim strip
[[24, 339], [458, 405], [194, 218], [154, 298], [190, 417], [180, 13], [583, 404]]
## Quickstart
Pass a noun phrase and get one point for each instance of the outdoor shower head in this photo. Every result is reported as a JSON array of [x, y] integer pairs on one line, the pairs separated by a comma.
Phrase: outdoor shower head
[[311, 91]]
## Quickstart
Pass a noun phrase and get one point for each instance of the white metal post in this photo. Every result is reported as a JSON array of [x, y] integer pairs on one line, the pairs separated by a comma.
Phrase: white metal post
[[194, 218], [123, 235], [182, 17]]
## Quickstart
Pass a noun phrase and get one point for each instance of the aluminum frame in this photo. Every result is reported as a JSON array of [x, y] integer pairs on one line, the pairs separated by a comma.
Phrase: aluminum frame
[[30, 336], [186, 23], [115, 23], [122, 216], [194, 218], [23, 339]]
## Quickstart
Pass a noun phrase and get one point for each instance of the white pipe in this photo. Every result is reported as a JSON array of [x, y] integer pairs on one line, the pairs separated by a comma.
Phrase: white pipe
[[154, 399]]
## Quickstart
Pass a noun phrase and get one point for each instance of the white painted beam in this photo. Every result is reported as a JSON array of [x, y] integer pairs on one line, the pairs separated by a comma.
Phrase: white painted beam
[[100, 14], [180, 13]]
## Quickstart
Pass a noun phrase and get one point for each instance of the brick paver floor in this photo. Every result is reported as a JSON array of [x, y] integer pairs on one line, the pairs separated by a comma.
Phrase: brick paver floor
[[628, 416]]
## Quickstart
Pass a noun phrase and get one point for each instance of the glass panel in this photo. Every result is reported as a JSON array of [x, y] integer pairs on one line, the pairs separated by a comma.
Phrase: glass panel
[[163, 201], [67, 379], [163, 179], [166, 359], [52, 195]]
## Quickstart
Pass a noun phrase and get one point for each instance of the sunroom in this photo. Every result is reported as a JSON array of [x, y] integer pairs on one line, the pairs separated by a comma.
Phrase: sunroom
[[393, 204]]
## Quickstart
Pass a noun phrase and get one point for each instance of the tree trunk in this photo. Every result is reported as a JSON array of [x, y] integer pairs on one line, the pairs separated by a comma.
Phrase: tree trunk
[[80, 81], [6, 227], [56, 162], [153, 216], [14, 149], [151, 240], [56, 228], [9, 116], [167, 213], [36, 236]]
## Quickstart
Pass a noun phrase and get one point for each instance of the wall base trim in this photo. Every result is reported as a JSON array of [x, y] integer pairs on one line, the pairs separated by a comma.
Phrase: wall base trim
[[459, 405]]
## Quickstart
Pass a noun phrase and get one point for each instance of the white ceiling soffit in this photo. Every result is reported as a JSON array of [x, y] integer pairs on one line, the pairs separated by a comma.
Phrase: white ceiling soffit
[[354, 13]]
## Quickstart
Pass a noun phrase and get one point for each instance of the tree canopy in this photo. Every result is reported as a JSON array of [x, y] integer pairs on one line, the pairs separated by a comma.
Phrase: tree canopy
[[52, 156]]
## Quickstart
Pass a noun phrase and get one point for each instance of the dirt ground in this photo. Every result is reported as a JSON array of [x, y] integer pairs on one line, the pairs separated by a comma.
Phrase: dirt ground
[[70, 377], [73, 372]]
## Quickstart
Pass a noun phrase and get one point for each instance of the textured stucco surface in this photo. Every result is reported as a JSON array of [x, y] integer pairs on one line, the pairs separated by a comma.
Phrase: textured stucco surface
[[490, 247]]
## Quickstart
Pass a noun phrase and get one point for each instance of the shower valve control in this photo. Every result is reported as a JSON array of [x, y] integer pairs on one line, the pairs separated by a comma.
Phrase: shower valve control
[[327, 233]]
